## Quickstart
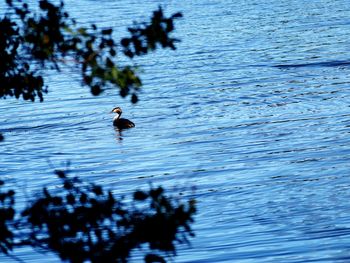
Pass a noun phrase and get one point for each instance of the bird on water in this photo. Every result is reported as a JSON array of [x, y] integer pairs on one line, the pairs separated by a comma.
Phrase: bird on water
[[121, 123]]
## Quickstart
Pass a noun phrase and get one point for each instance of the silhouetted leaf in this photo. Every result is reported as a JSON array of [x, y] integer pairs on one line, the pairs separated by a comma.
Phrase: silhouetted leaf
[[60, 173], [140, 195], [134, 98], [153, 258], [107, 31]]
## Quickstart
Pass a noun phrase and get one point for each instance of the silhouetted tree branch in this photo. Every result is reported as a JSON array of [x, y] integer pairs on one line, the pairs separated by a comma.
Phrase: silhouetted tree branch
[[83, 222], [31, 41], [7, 213]]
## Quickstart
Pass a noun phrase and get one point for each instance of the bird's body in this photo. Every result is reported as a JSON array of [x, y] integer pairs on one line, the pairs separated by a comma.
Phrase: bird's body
[[121, 123]]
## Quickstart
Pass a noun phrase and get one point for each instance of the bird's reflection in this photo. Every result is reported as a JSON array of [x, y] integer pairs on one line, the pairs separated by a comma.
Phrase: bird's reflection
[[118, 134]]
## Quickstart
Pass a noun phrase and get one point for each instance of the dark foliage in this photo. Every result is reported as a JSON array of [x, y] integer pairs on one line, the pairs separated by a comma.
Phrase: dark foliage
[[7, 214], [145, 37], [31, 41], [16, 76], [83, 222]]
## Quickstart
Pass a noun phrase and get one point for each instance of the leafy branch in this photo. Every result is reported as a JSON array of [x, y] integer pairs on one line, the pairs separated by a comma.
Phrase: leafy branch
[[49, 38], [83, 222]]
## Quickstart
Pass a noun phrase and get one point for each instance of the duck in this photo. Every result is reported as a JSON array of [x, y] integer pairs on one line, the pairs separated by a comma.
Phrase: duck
[[121, 123]]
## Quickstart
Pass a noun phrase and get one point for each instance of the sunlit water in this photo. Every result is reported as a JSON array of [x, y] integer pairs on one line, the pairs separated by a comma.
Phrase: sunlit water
[[252, 110]]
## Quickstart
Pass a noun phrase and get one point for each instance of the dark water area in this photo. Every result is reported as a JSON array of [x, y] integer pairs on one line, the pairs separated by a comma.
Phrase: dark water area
[[252, 110]]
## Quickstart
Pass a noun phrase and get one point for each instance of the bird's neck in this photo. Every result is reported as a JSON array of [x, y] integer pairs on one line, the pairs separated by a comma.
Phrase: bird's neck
[[116, 117]]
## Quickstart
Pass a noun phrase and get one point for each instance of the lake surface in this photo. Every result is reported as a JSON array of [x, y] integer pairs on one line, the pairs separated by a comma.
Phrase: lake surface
[[252, 110]]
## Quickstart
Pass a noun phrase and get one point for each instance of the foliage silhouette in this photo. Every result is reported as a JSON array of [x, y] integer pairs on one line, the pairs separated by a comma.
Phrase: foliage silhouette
[[83, 222], [7, 213], [32, 41]]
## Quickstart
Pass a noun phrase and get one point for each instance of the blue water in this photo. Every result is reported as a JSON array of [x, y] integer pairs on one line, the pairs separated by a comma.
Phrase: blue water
[[252, 111]]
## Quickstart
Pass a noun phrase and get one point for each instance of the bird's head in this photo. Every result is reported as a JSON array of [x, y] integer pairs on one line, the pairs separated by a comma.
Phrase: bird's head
[[117, 110]]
